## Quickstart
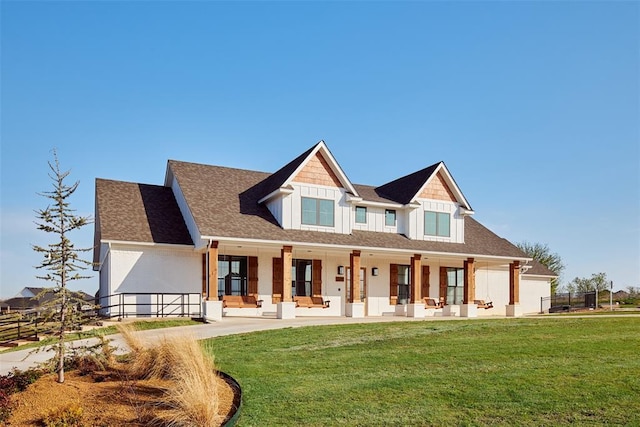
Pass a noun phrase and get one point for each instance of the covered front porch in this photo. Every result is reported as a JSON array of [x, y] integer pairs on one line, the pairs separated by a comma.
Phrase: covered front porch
[[288, 281]]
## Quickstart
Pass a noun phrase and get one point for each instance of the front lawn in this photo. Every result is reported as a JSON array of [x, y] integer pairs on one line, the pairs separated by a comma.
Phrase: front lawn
[[478, 372]]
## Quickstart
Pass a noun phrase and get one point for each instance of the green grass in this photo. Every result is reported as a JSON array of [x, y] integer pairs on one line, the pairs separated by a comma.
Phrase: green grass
[[525, 372], [140, 325]]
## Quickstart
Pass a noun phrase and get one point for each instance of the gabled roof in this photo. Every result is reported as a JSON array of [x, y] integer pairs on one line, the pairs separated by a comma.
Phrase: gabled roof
[[127, 211], [224, 204], [406, 189], [538, 269], [285, 175]]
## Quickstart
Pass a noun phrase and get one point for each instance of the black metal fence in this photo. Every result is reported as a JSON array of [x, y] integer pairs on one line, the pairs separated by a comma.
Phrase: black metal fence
[[151, 305], [568, 301]]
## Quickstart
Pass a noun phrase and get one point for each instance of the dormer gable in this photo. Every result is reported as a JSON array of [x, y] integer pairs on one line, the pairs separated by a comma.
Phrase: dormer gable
[[433, 182], [315, 166]]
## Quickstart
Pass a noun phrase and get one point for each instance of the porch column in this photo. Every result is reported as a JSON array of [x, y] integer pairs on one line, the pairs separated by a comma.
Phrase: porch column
[[469, 308], [211, 306], [416, 304], [513, 309], [354, 307], [286, 309], [212, 255], [354, 286]]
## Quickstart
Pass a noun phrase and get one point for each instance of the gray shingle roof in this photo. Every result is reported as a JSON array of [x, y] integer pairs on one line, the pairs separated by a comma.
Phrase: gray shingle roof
[[403, 190], [224, 204], [139, 213]]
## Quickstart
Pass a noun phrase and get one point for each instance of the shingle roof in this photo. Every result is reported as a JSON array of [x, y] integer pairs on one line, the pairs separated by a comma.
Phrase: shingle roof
[[538, 269], [139, 213], [403, 190], [276, 179], [224, 204]]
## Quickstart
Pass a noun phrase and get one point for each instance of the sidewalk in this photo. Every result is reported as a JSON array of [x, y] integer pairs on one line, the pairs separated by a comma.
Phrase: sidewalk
[[25, 359]]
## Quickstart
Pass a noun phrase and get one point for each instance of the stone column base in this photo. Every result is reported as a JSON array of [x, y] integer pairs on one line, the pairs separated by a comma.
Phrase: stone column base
[[416, 310], [354, 309], [451, 310], [514, 310], [212, 310], [468, 310], [286, 310]]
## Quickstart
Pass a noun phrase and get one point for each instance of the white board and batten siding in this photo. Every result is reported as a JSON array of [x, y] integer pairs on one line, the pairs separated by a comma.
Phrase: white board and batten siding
[[149, 269], [416, 221], [288, 209]]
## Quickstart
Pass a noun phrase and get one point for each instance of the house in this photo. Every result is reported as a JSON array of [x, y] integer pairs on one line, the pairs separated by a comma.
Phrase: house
[[32, 298], [301, 232]]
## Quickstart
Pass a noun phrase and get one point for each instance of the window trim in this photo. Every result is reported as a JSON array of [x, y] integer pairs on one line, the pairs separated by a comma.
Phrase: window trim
[[317, 211], [438, 215], [365, 214], [242, 276], [395, 217]]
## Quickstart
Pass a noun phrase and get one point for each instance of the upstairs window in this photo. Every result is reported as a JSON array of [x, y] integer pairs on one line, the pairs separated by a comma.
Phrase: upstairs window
[[437, 224], [390, 217], [361, 214], [317, 212]]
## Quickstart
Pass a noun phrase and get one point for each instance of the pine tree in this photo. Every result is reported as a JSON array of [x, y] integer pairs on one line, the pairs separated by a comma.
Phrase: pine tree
[[61, 260]]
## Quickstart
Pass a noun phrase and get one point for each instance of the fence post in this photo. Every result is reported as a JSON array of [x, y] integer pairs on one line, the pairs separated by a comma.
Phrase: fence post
[[18, 328]]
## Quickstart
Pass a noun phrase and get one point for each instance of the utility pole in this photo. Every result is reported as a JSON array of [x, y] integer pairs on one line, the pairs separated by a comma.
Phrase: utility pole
[[611, 297]]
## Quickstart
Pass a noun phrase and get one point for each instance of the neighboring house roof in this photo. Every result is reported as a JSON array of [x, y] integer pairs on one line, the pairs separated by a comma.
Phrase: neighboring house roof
[[224, 204], [133, 212]]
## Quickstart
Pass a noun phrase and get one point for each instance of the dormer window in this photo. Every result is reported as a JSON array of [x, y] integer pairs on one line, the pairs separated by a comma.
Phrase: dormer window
[[361, 214], [390, 217], [317, 212], [437, 224]]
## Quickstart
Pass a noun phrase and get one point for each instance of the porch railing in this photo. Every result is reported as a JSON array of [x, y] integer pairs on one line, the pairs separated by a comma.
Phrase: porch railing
[[148, 304]]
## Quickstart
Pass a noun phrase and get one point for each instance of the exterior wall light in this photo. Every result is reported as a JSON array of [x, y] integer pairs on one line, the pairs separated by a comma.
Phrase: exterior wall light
[[340, 270], [374, 271]]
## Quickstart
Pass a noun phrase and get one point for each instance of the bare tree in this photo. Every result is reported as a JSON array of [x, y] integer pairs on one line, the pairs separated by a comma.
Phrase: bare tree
[[61, 260]]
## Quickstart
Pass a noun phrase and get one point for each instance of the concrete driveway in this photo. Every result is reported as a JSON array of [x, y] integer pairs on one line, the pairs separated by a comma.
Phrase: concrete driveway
[[25, 359]]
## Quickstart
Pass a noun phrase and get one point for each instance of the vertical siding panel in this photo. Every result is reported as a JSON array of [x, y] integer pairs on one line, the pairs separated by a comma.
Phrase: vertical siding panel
[[443, 283], [393, 284], [316, 280], [253, 276]]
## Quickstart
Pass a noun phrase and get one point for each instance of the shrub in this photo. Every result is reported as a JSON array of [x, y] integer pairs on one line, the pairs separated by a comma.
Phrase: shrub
[[66, 416], [6, 406], [13, 382]]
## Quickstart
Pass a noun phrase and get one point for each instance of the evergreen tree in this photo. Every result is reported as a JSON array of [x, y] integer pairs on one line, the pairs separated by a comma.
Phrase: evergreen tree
[[61, 260]]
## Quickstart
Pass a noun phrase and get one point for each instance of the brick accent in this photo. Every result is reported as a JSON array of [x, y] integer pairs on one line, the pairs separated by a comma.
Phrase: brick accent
[[317, 171], [438, 190]]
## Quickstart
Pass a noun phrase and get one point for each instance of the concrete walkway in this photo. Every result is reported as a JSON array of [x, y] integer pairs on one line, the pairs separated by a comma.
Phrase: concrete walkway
[[25, 359]]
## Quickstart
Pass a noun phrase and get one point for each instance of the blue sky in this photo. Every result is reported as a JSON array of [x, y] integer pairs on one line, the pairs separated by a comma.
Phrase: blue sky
[[533, 106]]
